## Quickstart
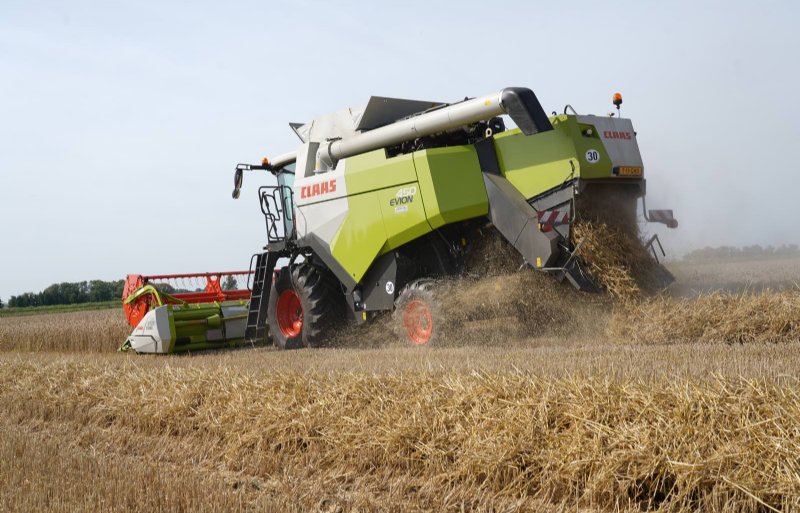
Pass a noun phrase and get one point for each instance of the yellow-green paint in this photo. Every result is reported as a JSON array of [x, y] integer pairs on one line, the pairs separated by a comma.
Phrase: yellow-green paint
[[173, 336], [361, 236], [403, 215], [534, 164], [451, 184], [192, 322], [376, 225], [388, 207], [372, 171], [373, 226], [570, 129]]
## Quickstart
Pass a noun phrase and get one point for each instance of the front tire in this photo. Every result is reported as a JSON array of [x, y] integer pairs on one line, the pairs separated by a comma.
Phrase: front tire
[[305, 303]]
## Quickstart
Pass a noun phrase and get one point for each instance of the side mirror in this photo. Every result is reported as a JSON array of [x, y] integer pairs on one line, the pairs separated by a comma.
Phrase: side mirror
[[237, 182]]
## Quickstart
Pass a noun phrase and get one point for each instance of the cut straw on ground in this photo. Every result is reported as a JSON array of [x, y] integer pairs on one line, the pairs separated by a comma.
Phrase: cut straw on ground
[[719, 317], [446, 442]]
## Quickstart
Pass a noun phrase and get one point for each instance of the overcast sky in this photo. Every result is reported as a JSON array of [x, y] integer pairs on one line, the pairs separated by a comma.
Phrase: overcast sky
[[121, 122]]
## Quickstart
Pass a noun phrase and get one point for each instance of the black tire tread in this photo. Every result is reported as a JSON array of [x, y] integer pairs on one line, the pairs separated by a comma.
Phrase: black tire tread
[[322, 301]]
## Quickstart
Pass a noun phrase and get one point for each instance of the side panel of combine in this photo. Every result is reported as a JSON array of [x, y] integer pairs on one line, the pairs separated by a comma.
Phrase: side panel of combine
[[358, 241], [393, 201], [537, 163], [320, 205], [403, 215], [385, 210], [451, 184], [373, 171]]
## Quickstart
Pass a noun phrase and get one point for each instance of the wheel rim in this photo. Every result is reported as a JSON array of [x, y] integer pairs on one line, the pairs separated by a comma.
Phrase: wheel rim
[[289, 313], [418, 322]]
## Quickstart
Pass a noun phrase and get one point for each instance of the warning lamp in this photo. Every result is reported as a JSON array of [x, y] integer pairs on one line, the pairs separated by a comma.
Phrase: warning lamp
[[617, 100], [265, 160]]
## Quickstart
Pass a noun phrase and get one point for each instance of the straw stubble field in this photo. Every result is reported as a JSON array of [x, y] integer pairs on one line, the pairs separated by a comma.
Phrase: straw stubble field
[[576, 404]]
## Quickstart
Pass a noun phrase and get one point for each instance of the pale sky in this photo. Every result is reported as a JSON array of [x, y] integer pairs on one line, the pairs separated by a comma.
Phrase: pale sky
[[121, 122]]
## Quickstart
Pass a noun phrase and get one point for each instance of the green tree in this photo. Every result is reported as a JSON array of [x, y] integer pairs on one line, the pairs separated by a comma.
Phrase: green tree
[[100, 290], [24, 299], [70, 293], [165, 287], [1, 303], [230, 283]]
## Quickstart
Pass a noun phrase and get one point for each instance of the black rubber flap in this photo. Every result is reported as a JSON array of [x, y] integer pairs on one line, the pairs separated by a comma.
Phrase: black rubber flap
[[487, 156]]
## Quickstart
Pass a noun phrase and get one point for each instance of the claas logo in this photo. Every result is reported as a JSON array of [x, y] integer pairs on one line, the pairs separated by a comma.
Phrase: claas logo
[[607, 134], [309, 191]]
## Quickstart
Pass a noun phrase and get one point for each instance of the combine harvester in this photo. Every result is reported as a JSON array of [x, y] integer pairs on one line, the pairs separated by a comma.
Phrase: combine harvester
[[200, 313], [378, 200]]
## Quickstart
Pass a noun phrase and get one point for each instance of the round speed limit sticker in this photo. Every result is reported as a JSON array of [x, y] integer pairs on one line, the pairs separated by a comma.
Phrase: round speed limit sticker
[[592, 156]]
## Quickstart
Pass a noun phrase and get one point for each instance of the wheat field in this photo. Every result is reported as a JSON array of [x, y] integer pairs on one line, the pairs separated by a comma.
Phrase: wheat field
[[670, 404], [87, 331]]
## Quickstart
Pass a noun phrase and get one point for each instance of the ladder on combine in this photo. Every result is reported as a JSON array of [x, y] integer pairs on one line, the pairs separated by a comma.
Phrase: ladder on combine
[[256, 330], [276, 204]]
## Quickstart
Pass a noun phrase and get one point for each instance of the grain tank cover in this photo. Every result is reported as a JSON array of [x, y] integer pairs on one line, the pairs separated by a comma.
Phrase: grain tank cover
[[343, 124], [382, 111]]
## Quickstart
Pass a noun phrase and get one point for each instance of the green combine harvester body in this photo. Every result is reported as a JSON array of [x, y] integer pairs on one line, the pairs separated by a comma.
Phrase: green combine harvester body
[[379, 201], [395, 200]]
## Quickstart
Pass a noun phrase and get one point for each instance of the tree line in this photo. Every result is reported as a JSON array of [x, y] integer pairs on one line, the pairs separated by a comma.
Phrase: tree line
[[743, 253], [70, 294], [90, 292]]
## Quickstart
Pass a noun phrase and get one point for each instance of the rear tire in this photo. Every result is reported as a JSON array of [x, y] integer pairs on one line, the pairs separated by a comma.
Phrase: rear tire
[[418, 316], [305, 303]]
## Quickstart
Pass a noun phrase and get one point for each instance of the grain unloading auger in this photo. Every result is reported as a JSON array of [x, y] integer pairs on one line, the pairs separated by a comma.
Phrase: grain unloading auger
[[378, 200], [185, 312]]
